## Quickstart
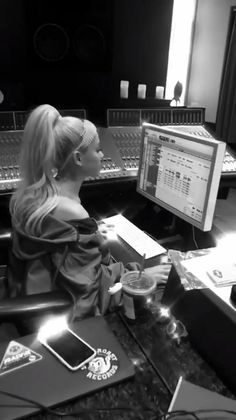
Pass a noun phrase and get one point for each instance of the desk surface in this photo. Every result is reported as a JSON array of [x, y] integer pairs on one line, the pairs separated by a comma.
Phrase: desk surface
[[146, 390]]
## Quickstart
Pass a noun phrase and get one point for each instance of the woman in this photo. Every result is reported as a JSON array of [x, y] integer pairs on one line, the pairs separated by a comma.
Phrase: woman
[[55, 242]]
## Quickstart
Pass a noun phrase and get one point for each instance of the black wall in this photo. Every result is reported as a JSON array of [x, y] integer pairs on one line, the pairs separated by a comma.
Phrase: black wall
[[13, 56], [141, 42], [122, 39]]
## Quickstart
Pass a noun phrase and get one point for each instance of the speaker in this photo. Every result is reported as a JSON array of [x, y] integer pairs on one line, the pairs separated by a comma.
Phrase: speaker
[[73, 35]]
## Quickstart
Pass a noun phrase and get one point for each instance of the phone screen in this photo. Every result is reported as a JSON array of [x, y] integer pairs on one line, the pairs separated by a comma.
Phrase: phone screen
[[70, 348]]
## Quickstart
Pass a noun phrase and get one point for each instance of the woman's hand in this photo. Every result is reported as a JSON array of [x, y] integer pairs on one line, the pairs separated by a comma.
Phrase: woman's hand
[[159, 272], [107, 231]]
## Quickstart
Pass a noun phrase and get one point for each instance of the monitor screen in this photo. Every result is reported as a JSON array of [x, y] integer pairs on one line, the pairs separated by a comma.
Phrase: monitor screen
[[181, 172]]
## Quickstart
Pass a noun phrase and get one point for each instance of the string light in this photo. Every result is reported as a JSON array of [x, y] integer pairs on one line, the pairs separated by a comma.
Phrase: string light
[[175, 329]]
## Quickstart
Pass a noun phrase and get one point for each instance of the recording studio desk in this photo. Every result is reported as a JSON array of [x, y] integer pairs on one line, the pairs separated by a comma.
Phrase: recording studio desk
[[146, 390], [159, 362]]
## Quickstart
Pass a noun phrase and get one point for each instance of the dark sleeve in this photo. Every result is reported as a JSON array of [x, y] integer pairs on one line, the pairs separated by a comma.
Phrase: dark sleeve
[[87, 273]]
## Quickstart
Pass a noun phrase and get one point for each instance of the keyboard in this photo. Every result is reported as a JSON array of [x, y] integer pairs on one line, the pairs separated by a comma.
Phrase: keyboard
[[134, 237]]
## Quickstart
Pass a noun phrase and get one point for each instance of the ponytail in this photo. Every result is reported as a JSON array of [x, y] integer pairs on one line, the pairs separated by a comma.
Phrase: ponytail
[[38, 148], [37, 194]]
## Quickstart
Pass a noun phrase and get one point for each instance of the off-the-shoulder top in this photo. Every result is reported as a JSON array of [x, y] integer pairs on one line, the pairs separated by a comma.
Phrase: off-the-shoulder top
[[68, 254]]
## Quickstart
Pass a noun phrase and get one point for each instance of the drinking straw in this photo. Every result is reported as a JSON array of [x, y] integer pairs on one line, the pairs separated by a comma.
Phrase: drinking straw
[[141, 266]]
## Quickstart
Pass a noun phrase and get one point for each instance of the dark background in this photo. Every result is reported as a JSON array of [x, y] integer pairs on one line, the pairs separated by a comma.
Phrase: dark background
[[80, 60]]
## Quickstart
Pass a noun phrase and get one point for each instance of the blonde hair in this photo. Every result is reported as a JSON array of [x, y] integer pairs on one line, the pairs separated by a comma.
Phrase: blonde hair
[[47, 146]]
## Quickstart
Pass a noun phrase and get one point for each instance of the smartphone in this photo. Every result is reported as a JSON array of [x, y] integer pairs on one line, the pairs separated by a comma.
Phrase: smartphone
[[69, 348]]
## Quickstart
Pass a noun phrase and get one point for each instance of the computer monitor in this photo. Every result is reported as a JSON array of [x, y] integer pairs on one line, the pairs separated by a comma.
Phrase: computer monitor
[[181, 172]]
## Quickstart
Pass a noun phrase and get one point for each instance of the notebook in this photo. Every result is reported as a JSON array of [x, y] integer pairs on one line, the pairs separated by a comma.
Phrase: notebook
[[30, 370], [190, 397]]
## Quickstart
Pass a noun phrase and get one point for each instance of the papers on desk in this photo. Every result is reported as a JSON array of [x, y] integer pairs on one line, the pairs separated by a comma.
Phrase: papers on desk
[[134, 237], [211, 269], [193, 270]]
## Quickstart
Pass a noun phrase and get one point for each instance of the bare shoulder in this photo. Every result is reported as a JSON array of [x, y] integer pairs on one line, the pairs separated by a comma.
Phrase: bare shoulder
[[68, 209]]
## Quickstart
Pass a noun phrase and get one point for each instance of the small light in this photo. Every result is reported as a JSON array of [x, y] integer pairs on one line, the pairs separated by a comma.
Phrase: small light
[[137, 361], [176, 329], [149, 300], [164, 312], [52, 327]]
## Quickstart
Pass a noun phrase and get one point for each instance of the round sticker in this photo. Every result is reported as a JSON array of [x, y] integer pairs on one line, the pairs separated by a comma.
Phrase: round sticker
[[102, 366]]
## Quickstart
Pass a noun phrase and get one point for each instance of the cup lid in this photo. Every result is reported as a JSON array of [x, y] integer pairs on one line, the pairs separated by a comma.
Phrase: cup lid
[[134, 286]]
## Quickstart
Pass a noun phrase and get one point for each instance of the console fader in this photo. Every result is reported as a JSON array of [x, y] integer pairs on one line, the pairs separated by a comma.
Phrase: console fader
[[10, 143], [122, 145]]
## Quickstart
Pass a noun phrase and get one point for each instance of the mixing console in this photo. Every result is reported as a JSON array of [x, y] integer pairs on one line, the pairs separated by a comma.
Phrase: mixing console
[[10, 142], [120, 144], [229, 163], [128, 139]]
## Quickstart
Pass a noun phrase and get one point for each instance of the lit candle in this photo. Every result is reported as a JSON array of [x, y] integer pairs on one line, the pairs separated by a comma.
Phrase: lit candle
[[124, 89], [159, 92], [142, 91]]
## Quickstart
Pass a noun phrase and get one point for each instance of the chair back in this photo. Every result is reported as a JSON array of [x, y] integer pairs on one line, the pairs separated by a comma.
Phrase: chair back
[[5, 244], [27, 312]]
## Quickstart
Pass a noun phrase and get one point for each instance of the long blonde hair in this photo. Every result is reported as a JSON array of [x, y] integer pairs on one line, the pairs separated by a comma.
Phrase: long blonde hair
[[48, 142]]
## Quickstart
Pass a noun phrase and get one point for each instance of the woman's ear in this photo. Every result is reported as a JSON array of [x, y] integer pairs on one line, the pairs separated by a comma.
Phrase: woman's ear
[[77, 157]]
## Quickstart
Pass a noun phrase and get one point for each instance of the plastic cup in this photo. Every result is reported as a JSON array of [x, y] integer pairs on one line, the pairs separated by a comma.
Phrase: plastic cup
[[138, 295]]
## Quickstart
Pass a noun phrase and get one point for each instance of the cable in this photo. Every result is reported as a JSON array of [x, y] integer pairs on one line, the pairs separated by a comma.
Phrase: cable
[[72, 413], [176, 413], [151, 236], [165, 416], [146, 355], [194, 239], [172, 414], [216, 411], [33, 402]]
